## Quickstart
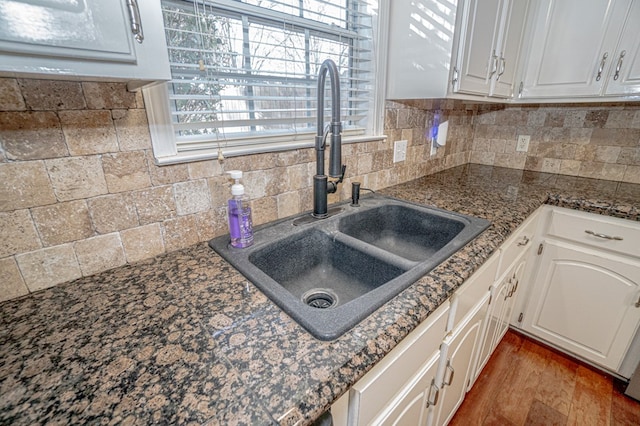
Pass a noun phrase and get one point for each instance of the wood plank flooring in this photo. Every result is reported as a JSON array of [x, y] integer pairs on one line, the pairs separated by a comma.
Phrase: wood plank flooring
[[525, 383]]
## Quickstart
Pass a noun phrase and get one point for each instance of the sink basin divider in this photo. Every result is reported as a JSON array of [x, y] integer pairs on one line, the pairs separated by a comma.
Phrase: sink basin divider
[[375, 252]]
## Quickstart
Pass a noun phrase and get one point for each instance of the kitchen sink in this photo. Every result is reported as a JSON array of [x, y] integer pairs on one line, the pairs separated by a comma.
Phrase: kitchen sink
[[329, 274], [408, 232], [312, 263]]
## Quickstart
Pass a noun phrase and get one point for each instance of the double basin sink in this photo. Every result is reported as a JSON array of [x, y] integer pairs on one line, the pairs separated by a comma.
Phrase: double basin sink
[[329, 274]]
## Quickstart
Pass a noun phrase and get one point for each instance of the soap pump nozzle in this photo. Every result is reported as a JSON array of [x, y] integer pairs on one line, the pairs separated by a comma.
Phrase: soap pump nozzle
[[237, 188]]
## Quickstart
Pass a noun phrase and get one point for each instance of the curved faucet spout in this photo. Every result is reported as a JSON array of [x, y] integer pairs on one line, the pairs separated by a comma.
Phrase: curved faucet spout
[[321, 186]]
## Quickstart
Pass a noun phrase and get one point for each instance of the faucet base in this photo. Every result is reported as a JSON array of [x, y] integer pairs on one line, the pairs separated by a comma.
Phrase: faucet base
[[310, 218], [320, 184]]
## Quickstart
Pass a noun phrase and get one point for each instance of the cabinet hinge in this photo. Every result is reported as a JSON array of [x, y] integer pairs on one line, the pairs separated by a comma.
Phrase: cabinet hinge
[[454, 79], [540, 248], [520, 317], [520, 88]]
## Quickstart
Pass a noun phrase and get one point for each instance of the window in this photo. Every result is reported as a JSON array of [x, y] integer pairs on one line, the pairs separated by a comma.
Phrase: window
[[244, 75]]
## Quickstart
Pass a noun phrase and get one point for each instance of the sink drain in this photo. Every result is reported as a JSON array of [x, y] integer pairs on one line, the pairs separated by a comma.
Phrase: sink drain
[[320, 298]]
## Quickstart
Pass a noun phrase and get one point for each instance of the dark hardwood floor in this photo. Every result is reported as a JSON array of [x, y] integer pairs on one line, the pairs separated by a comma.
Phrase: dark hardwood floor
[[525, 383]]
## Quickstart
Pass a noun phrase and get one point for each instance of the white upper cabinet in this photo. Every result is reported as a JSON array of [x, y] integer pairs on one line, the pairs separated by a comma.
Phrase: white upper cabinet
[[512, 35], [420, 44], [574, 48], [491, 32], [477, 60], [624, 77], [424, 61], [92, 39]]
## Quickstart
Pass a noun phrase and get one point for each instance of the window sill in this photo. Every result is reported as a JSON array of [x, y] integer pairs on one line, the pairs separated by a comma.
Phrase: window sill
[[212, 154]]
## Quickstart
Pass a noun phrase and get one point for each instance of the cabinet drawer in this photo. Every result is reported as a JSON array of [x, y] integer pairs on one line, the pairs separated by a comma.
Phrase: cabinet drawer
[[519, 242], [609, 233], [473, 290], [371, 393]]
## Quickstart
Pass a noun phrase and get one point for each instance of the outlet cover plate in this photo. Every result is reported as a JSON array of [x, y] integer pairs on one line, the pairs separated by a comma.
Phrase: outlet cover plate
[[399, 151], [523, 143]]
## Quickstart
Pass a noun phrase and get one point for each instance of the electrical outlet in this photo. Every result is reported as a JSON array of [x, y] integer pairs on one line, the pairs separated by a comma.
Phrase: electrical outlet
[[399, 151], [523, 143]]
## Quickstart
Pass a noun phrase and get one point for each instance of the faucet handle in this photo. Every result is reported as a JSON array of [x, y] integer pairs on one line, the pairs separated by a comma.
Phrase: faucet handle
[[333, 185], [344, 169]]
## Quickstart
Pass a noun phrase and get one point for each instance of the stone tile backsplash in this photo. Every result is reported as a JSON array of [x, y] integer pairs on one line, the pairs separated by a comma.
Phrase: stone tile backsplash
[[588, 140], [81, 193]]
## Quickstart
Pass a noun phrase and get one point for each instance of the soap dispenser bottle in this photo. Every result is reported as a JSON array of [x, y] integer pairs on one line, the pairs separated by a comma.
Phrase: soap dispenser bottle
[[240, 222]]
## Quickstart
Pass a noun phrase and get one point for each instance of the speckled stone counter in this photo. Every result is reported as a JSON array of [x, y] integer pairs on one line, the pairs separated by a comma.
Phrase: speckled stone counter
[[186, 339]]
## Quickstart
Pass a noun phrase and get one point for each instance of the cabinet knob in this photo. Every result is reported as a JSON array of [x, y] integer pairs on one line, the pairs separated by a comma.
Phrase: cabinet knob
[[619, 66], [601, 68]]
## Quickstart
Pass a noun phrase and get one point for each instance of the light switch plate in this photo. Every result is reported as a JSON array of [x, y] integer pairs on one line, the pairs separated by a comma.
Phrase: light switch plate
[[399, 151]]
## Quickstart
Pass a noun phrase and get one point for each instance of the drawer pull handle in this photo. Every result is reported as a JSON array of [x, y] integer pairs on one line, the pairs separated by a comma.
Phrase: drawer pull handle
[[433, 396], [136, 22], [453, 372], [605, 236], [617, 74], [638, 303], [513, 289], [524, 242], [601, 68], [509, 286]]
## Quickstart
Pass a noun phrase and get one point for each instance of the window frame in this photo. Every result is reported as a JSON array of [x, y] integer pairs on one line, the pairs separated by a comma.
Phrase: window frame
[[165, 146]]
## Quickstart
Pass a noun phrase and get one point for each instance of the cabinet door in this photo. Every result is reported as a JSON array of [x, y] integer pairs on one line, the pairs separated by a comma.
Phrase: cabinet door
[[89, 38], [74, 29], [413, 405], [419, 48], [396, 372], [516, 276], [494, 322], [478, 59], [585, 301], [572, 62], [458, 357], [624, 77], [513, 24]]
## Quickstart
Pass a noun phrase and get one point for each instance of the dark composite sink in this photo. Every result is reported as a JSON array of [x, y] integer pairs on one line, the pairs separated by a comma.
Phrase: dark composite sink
[[330, 274], [413, 234], [322, 265]]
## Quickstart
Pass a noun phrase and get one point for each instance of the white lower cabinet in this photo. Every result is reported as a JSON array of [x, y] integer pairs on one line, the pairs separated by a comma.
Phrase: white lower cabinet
[[418, 401], [501, 305], [457, 357], [585, 298], [393, 389], [585, 302]]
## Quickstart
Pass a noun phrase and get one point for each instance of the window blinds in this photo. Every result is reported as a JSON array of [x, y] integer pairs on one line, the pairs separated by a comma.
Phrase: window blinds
[[245, 71]]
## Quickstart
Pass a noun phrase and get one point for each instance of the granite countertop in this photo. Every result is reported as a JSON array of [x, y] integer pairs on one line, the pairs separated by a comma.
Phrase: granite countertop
[[185, 339]]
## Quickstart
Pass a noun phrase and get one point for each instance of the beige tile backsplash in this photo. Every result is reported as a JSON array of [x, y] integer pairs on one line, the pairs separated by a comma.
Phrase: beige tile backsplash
[[81, 194], [588, 140]]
